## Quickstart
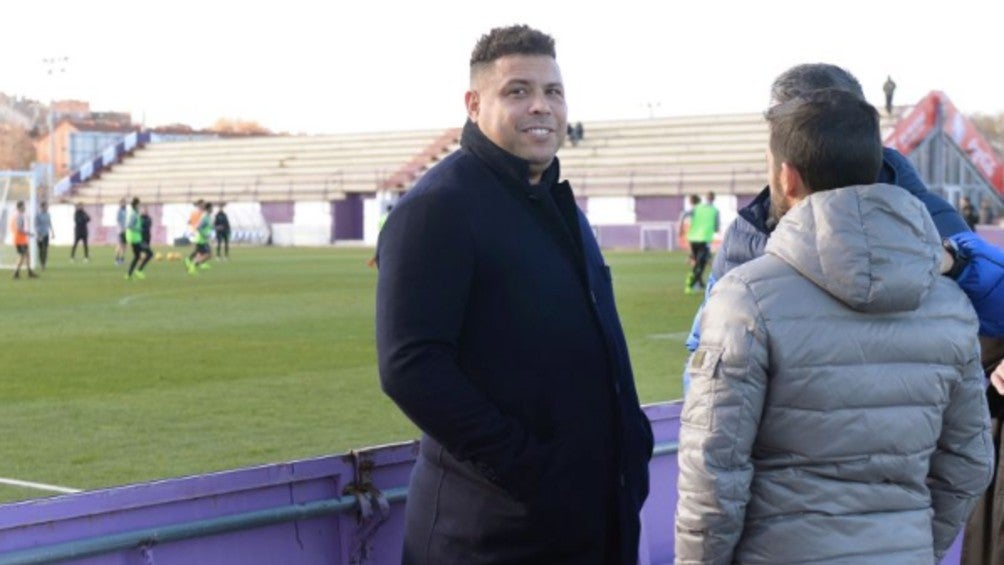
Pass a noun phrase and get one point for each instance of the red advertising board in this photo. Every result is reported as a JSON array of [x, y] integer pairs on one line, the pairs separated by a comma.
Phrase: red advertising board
[[921, 120]]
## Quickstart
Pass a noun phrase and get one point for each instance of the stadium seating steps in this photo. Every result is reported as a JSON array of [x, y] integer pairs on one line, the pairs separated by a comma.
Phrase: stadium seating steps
[[649, 157]]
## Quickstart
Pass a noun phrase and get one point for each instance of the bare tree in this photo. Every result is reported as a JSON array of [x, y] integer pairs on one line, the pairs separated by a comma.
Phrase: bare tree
[[16, 149], [992, 128], [240, 127]]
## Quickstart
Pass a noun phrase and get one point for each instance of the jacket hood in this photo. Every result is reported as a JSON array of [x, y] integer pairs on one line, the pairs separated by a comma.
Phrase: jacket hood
[[874, 247]]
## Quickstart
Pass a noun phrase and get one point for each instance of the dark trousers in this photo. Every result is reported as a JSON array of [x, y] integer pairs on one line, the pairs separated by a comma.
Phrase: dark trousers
[[137, 250], [701, 252], [983, 543], [43, 250], [223, 239], [77, 238]]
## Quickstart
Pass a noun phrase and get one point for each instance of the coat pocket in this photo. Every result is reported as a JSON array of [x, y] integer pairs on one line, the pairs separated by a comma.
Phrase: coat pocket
[[701, 395]]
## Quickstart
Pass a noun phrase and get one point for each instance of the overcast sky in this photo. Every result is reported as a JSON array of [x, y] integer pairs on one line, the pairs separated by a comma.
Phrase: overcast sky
[[369, 65]]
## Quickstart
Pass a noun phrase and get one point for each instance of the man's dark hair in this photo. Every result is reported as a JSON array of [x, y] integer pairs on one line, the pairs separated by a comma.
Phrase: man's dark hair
[[512, 40], [831, 137], [803, 79]]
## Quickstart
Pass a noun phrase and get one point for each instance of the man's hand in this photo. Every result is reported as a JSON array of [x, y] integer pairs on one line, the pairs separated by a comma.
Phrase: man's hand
[[997, 378], [982, 279]]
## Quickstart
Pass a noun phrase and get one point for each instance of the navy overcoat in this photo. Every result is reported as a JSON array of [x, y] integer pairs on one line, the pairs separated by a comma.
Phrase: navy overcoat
[[498, 336]]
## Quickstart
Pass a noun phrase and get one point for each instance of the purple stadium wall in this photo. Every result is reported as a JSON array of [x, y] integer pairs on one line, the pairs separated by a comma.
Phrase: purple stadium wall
[[619, 236], [347, 218], [277, 212], [657, 208]]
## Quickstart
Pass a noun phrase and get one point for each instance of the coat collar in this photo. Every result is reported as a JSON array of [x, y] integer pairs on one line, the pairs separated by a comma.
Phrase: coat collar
[[512, 170]]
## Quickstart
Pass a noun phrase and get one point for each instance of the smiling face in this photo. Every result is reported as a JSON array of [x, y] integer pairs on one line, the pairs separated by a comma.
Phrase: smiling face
[[518, 102]]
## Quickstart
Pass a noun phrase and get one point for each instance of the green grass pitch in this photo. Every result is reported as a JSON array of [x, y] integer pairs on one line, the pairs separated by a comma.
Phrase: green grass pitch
[[267, 358]]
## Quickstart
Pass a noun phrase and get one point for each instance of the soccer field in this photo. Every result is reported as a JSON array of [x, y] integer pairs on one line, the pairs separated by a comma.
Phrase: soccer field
[[266, 358]]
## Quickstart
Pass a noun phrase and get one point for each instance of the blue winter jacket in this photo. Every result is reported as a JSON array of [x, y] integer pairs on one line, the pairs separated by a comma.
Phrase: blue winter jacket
[[746, 237]]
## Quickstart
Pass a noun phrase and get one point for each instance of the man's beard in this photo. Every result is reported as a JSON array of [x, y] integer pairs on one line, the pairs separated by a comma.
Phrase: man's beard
[[777, 211], [778, 206]]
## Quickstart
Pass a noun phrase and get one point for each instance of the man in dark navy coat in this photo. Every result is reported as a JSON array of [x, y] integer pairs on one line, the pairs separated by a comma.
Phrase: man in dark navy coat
[[497, 334]]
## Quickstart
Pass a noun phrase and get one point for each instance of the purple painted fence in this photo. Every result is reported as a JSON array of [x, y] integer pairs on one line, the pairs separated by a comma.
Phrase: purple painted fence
[[658, 208], [626, 236], [277, 212], [348, 218], [318, 511]]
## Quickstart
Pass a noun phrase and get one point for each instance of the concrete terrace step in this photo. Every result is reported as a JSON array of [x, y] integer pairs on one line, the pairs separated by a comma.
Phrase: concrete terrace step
[[664, 155]]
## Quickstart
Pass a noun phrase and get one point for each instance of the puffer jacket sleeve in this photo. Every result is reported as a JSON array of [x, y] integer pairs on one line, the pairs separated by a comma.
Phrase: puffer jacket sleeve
[[720, 418], [694, 339], [962, 464]]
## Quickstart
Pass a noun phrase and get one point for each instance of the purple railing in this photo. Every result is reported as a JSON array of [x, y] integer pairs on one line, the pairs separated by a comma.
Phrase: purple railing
[[109, 156], [345, 509]]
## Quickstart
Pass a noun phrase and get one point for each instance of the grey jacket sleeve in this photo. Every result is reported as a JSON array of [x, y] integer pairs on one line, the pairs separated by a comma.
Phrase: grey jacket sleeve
[[719, 424], [962, 465]]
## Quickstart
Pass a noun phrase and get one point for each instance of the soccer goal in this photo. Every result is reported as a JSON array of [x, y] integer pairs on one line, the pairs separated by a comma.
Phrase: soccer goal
[[656, 237], [17, 186]]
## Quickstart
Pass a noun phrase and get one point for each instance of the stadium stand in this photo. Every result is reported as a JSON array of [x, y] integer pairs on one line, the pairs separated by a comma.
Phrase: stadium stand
[[629, 176], [662, 156], [271, 168]]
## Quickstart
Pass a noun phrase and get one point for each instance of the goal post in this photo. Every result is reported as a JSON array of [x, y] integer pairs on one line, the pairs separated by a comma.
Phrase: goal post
[[17, 186], [656, 237]]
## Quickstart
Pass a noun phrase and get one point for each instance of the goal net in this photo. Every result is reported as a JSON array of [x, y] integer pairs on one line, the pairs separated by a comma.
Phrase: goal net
[[656, 238], [16, 186]]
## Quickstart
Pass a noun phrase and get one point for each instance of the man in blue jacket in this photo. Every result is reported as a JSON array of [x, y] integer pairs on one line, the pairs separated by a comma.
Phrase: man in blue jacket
[[746, 237], [497, 335]]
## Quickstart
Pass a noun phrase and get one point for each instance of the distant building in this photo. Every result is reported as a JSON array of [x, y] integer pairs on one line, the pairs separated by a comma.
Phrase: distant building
[[79, 138]]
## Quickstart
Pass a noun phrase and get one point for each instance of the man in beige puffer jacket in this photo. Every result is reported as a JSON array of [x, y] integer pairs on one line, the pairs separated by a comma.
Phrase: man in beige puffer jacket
[[837, 412]]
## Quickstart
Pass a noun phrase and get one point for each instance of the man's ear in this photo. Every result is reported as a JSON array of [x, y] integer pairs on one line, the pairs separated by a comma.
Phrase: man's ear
[[473, 102], [792, 185]]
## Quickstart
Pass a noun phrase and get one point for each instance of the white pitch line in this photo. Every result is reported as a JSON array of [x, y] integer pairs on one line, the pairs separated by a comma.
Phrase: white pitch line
[[38, 486], [676, 335]]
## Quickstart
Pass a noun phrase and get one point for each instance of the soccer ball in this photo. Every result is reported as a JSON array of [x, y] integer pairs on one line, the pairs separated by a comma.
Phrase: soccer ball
[[160, 256]]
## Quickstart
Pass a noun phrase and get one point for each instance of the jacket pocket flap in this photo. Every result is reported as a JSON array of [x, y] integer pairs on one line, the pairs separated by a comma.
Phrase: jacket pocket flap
[[700, 397]]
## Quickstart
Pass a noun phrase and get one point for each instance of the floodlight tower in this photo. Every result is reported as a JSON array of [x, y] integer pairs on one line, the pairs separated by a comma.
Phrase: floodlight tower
[[54, 66]]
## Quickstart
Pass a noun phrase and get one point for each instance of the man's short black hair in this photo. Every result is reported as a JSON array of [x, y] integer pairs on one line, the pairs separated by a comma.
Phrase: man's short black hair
[[831, 137], [512, 40], [803, 79]]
